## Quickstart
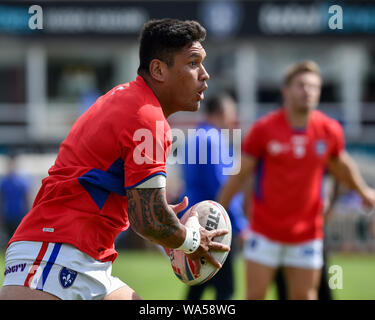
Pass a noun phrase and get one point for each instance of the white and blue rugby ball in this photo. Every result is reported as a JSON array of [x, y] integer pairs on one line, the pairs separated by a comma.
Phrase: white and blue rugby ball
[[211, 216]]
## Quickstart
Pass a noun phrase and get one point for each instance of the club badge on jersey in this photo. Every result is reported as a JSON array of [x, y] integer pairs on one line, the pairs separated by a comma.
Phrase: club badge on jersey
[[320, 147]]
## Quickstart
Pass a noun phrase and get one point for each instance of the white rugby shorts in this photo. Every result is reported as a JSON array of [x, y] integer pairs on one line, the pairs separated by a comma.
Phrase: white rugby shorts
[[260, 249], [59, 269]]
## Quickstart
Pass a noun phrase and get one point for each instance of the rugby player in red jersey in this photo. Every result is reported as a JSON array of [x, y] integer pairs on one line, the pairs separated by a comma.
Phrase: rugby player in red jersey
[[288, 151], [109, 174]]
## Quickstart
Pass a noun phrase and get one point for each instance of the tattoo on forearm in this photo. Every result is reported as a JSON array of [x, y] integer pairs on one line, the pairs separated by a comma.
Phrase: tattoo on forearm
[[148, 215]]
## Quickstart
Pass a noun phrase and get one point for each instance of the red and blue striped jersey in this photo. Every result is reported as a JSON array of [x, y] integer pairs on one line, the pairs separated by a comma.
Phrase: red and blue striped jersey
[[287, 199], [122, 140]]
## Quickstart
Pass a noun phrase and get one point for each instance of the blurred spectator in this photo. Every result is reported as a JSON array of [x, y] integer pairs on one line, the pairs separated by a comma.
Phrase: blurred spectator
[[203, 182], [88, 98], [14, 201]]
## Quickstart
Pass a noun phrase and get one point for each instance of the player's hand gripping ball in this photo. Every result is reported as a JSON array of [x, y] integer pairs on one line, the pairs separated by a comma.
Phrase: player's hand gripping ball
[[211, 216]]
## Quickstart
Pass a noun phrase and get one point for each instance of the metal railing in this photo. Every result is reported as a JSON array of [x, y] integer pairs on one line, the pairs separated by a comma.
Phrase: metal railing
[[16, 124]]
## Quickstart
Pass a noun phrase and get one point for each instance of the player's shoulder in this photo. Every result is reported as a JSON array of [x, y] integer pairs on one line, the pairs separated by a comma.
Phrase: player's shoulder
[[128, 95], [325, 121], [136, 101], [269, 119]]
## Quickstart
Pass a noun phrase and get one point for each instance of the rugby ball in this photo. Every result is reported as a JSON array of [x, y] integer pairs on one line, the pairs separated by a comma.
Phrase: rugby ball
[[211, 216]]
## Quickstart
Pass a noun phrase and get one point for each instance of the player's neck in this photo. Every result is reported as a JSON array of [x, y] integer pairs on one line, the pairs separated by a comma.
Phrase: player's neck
[[297, 119], [159, 95]]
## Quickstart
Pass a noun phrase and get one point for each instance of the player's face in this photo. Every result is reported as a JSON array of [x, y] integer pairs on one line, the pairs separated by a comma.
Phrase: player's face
[[303, 93], [187, 78]]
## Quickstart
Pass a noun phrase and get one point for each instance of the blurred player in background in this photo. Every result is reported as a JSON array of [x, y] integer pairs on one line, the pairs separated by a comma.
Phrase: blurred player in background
[[203, 181], [109, 173], [288, 151], [324, 291], [14, 198]]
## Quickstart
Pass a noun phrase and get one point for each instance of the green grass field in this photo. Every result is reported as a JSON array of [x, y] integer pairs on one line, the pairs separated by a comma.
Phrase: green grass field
[[149, 273]]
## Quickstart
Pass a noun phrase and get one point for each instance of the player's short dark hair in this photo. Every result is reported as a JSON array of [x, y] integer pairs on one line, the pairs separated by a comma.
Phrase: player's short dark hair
[[161, 39], [214, 104]]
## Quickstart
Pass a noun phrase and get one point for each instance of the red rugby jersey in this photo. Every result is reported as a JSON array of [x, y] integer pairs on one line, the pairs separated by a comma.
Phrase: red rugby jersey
[[120, 141], [287, 201]]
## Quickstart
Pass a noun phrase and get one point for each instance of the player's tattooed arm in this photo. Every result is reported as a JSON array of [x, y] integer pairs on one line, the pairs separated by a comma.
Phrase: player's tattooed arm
[[151, 217]]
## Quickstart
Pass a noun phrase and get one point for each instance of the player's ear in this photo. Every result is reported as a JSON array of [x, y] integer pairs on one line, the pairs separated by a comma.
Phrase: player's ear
[[158, 70]]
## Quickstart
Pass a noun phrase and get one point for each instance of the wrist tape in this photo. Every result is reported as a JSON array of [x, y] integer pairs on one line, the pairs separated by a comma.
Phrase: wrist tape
[[193, 236]]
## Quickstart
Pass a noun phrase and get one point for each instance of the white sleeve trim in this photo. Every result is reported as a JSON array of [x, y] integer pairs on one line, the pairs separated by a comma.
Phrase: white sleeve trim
[[158, 181]]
